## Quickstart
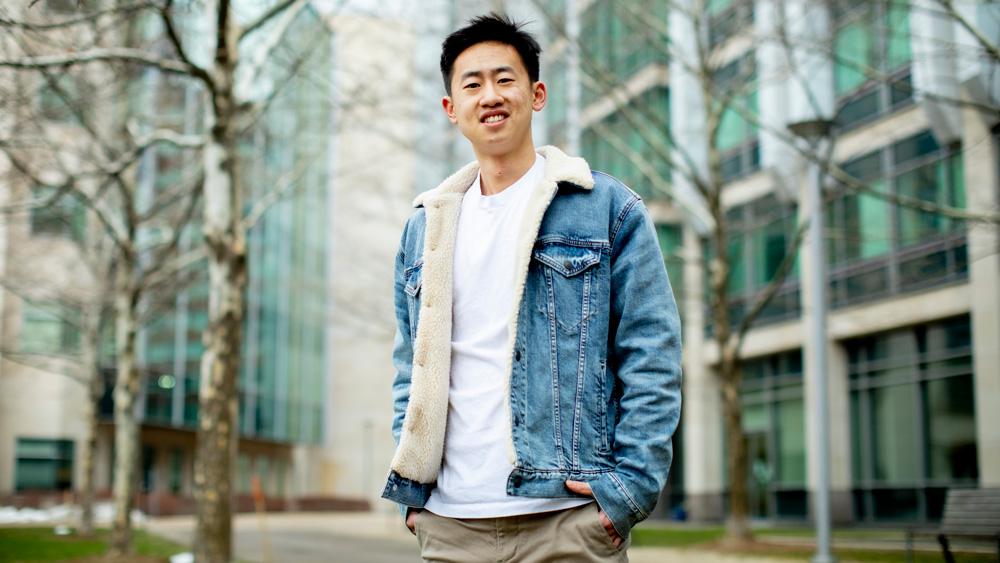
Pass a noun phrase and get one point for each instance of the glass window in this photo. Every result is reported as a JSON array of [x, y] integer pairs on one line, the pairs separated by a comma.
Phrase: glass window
[[791, 440], [871, 59], [622, 39], [951, 428], [774, 424], [49, 329], [912, 418], [176, 470], [727, 18], [760, 236], [876, 248], [671, 239], [58, 214], [147, 471], [637, 134], [43, 465], [736, 137], [895, 446]]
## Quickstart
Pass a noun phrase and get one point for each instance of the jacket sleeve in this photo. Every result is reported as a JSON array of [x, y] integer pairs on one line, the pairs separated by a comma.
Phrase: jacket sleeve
[[645, 351], [402, 348]]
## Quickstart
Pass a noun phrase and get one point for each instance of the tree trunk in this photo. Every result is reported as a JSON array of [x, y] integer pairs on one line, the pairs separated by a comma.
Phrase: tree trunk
[[729, 371], [126, 423], [738, 524], [95, 389], [226, 242]]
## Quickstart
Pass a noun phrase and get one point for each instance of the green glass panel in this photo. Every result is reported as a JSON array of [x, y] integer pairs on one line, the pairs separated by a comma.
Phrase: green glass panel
[[756, 418], [927, 184], [858, 454], [731, 130], [872, 223], [791, 442], [737, 267], [853, 47], [898, 35], [956, 173], [176, 475], [769, 251], [951, 428], [716, 6], [895, 423], [35, 474]]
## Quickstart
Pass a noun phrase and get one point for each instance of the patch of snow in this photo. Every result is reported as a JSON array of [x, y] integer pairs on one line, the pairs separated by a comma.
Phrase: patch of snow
[[104, 512]]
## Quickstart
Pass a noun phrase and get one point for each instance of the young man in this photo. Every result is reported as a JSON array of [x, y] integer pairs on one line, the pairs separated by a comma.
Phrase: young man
[[538, 351]]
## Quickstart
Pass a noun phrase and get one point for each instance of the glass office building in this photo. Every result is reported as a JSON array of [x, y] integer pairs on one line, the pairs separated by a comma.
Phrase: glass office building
[[910, 341]]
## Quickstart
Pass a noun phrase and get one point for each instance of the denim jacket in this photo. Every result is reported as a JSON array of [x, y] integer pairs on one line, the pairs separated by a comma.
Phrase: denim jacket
[[593, 377]]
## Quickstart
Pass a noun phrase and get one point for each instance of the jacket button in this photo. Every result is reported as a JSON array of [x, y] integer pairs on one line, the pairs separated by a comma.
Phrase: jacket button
[[568, 264], [517, 480], [517, 355]]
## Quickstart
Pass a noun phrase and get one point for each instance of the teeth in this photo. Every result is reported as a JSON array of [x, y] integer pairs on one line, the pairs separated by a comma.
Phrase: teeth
[[493, 119]]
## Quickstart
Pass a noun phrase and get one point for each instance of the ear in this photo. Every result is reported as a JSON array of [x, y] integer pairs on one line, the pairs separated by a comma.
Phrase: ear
[[540, 96], [449, 108]]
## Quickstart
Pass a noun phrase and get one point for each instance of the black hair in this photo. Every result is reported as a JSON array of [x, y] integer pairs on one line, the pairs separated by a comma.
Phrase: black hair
[[494, 26]]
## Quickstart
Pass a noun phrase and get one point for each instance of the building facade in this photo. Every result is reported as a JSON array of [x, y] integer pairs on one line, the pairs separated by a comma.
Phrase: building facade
[[913, 324]]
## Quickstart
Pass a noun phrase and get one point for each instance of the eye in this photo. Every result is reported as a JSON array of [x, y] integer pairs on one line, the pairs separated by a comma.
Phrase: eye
[[471, 85], [505, 80]]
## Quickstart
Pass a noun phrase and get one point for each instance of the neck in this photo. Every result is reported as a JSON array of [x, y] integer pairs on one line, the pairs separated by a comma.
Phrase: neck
[[497, 173]]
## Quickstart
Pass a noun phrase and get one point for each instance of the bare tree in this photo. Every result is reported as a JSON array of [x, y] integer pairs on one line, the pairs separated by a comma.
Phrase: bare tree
[[210, 46], [95, 160]]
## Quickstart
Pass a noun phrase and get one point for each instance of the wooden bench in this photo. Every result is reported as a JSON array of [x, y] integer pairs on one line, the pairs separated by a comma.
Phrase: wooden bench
[[968, 513]]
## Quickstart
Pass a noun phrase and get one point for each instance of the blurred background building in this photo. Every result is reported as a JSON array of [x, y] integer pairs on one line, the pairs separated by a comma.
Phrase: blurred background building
[[914, 321]]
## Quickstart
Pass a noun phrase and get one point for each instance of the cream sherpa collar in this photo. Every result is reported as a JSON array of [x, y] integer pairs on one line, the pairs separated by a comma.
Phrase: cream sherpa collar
[[559, 167]]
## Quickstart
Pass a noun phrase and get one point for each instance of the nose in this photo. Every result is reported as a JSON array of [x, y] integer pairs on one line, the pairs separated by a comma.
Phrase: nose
[[491, 96]]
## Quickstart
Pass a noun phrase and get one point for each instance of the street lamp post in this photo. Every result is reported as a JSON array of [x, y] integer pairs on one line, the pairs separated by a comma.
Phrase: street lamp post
[[815, 132]]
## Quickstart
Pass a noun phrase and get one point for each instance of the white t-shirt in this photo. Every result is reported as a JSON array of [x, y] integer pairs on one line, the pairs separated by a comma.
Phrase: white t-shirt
[[472, 482]]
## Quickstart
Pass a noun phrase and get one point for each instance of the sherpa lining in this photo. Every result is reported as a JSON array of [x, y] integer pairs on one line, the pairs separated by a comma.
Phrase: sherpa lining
[[421, 443]]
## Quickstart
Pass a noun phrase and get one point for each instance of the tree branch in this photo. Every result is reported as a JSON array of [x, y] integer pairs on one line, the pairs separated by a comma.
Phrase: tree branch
[[103, 55], [266, 17], [986, 44], [249, 75], [26, 26], [175, 40]]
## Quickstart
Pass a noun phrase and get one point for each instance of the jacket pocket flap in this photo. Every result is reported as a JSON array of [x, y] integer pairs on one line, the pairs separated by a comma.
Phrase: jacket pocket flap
[[414, 279], [566, 259]]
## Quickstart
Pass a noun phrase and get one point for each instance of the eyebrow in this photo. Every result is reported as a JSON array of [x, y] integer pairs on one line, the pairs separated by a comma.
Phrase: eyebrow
[[479, 73]]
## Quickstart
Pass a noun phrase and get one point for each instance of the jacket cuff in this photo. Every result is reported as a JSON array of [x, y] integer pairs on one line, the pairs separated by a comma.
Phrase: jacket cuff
[[406, 492], [615, 501]]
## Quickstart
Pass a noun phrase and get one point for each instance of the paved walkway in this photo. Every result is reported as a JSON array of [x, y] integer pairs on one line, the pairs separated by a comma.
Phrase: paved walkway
[[376, 537]]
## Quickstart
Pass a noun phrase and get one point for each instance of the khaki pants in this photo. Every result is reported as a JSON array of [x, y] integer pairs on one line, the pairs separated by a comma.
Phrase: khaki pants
[[572, 535]]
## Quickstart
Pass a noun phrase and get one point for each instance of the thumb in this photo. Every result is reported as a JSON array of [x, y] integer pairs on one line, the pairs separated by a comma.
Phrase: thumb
[[579, 487]]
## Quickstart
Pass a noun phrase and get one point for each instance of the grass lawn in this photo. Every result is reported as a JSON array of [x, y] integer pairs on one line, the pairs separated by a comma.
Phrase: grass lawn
[[708, 538], [40, 544]]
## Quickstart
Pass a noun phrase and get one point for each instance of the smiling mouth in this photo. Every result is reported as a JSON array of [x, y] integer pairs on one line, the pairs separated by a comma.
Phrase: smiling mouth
[[494, 119]]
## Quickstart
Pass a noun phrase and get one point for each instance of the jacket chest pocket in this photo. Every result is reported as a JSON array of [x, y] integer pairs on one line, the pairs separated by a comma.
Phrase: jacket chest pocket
[[571, 281], [414, 278]]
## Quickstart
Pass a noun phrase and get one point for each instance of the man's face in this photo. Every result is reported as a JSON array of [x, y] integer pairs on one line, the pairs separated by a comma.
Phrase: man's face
[[492, 98]]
